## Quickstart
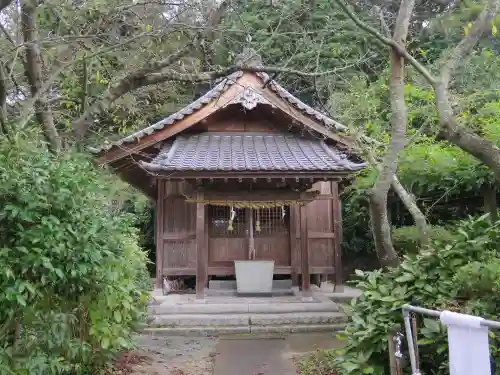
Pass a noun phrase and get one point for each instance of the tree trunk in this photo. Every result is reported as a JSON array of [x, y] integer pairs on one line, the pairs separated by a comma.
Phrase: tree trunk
[[481, 148], [484, 150], [411, 206], [490, 203], [378, 202], [3, 101], [35, 76]]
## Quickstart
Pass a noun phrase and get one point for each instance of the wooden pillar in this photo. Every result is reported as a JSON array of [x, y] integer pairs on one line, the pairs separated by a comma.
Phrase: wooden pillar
[[394, 365], [304, 252], [205, 259], [201, 259], [294, 212], [251, 240], [337, 229], [160, 205]]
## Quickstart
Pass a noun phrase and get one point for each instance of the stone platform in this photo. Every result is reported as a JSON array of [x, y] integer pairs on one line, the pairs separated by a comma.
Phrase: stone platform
[[222, 312]]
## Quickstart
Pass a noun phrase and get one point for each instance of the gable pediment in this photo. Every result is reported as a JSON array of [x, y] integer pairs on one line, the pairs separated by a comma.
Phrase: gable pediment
[[246, 88]]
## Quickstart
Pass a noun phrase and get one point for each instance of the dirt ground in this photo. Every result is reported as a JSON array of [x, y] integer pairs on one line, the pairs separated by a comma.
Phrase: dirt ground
[[198, 355], [171, 356]]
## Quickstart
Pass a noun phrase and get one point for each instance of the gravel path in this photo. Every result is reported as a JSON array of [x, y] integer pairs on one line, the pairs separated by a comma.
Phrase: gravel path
[[175, 355]]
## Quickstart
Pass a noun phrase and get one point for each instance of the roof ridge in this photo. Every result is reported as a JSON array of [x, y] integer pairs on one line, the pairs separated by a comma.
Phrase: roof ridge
[[221, 87]]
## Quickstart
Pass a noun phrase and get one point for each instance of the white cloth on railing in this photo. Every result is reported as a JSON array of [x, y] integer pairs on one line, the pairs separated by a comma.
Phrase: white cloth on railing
[[468, 344]]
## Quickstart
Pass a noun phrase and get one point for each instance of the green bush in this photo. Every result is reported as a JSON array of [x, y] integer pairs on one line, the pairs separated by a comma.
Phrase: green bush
[[406, 239], [72, 276], [462, 275]]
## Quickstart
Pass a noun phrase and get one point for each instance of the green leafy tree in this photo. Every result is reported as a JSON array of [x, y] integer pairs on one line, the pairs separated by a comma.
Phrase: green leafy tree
[[74, 280]]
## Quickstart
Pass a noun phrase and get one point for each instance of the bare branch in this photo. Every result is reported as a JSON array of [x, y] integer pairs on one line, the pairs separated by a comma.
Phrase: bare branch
[[7, 35], [35, 75], [211, 75], [464, 48], [411, 206], [407, 199], [145, 77], [387, 41], [479, 147], [132, 81]]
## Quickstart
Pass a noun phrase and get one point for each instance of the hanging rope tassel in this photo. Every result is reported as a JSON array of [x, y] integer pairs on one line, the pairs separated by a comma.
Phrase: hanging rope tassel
[[257, 222], [231, 219]]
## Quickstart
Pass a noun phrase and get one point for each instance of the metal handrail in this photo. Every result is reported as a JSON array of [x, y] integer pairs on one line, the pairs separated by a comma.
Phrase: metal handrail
[[406, 315]]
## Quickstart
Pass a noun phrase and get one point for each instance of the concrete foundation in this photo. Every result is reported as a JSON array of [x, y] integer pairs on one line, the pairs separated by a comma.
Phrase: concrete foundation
[[223, 313]]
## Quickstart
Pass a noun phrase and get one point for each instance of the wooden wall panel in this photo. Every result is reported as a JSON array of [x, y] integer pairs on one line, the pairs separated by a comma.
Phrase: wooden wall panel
[[179, 228], [177, 188], [180, 253], [226, 249], [320, 225], [321, 252], [180, 217], [275, 248]]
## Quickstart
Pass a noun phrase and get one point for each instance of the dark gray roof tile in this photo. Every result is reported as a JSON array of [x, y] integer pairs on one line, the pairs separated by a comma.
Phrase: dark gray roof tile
[[249, 152]]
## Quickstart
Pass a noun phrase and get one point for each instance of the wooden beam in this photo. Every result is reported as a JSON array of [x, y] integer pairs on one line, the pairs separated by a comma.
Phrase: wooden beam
[[205, 259], [229, 270], [337, 241], [200, 249], [304, 251], [179, 236], [294, 234], [160, 205], [318, 175], [321, 235], [260, 195]]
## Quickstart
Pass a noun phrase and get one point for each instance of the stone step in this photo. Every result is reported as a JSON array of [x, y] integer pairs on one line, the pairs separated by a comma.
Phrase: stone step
[[243, 330], [276, 292], [234, 320], [231, 284], [241, 308]]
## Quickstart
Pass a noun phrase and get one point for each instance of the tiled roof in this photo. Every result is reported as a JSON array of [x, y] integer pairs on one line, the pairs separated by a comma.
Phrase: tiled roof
[[222, 86], [249, 152]]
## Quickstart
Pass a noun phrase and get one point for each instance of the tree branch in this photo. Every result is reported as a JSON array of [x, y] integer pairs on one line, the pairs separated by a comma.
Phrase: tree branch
[[7, 35], [147, 76], [132, 81], [464, 48], [34, 75], [3, 101], [479, 147], [378, 201], [387, 41]]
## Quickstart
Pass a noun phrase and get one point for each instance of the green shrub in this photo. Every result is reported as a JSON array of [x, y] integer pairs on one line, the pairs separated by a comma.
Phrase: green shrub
[[441, 277], [406, 239], [72, 276]]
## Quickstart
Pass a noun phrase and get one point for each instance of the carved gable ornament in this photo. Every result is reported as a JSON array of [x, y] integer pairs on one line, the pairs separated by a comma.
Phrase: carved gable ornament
[[249, 98]]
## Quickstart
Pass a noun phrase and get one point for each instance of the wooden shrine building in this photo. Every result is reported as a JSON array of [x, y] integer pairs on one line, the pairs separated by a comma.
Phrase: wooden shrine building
[[247, 171]]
